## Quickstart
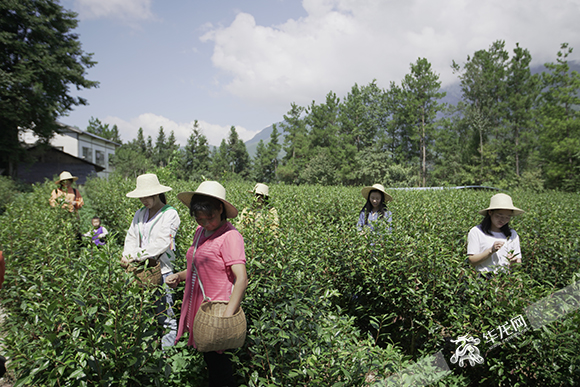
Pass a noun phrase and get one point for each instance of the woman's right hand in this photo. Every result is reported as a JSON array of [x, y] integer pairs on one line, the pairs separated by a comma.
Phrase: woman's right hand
[[496, 246], [172, 280]]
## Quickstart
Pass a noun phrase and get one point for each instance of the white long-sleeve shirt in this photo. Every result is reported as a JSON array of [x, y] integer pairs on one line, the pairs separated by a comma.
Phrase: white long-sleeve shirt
[[154, 237]]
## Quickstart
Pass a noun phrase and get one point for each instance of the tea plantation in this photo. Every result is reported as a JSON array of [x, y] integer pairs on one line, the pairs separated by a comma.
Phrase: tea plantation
[[326, 306]]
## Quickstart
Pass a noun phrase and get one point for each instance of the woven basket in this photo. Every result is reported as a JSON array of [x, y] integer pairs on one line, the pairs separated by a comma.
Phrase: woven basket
[[211, 332], [149, 276]]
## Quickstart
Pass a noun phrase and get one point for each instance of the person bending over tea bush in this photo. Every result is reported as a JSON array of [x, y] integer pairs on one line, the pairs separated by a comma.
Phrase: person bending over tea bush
[[375, 208], [492, 244], [216, 269], [151, 237], [65, 195], [262, 215]]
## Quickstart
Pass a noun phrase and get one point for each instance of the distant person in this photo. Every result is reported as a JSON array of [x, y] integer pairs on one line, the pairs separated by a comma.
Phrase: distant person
[[375, 209], [217, 255], [66, 196], [98, 233], [261, 214], [492, 244], [151, 237]]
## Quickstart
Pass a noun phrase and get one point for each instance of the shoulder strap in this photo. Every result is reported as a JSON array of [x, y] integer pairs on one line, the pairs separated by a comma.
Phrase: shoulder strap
[[205, 298]]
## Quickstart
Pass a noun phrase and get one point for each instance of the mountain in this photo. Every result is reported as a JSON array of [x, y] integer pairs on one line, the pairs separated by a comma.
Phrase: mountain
[[264, 135], [452, 98]]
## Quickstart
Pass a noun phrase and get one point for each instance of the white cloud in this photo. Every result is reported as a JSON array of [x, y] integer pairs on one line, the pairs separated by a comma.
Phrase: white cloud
[[151, 123], [130, 10], [342, 42]]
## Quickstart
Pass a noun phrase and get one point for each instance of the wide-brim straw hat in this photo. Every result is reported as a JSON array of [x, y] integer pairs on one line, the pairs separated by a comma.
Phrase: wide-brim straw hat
[[260, 189], [214, 190], [65, 175], [379, 187], [501, 201], [147, 185]]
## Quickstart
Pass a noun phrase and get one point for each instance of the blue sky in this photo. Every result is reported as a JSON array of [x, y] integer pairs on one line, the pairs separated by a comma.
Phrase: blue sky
[[242, 63]]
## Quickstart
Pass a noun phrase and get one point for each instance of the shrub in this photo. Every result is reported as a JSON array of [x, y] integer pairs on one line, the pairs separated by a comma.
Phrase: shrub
[[325, 305]]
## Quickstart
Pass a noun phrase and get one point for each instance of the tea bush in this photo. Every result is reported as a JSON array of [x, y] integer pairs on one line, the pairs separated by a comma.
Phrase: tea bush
[[8, 189], [325, 305]]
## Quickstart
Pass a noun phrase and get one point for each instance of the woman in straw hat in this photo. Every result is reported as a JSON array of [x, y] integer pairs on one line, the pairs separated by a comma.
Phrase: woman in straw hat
[[493, 243], [375, 207], [220, 261], [65, 193], [262, 214], [152, 236]]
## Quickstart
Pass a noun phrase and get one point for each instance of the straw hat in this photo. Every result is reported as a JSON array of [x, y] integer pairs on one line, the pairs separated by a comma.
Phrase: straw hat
[[366, 190], [501, 201], [65, 175], [147, 185], [214, 190], [260, 189]]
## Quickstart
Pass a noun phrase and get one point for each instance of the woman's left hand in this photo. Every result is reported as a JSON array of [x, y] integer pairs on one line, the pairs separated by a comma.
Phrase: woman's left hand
[[513, 257], [125, 262]]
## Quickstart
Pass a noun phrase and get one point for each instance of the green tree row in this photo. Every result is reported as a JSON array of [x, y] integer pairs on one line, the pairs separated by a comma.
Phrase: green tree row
[[511, 128]]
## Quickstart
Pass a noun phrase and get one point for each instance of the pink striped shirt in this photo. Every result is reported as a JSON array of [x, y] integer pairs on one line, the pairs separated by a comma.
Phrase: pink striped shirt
[[213, 259]]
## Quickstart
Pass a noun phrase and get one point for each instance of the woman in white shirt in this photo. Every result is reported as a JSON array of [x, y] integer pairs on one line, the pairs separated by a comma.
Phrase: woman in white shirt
[[152, 236], [493, 244]]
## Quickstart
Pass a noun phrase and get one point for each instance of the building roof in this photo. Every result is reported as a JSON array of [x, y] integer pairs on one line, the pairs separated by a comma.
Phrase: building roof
[[47, 162], [78, 131]]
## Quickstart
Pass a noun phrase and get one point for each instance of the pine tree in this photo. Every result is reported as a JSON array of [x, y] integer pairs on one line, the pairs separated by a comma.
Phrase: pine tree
[[237, 156], [196, 155], [103, 130], [422, 93], [219, 160], [560, 121]]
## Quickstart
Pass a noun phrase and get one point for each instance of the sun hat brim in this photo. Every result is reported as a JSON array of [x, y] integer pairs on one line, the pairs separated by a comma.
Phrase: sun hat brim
[[67, 176], [516, 211], [366, 190], [143, 193], [501, 201], [185, 198], [74, 178], [147, 185], [260, 189]]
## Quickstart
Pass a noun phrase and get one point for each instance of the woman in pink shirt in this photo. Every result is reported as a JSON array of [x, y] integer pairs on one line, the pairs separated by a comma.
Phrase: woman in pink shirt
[[221, 264]]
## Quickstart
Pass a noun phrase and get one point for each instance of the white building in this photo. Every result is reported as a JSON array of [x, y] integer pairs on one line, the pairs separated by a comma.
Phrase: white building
[[84, 145]]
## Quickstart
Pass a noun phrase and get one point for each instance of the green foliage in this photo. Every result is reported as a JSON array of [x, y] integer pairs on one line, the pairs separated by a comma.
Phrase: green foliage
[[41, 60], [266, 159], [561, 123], [8, 190], [103, 130], [237, 155], [195, 161], [325, 305]]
